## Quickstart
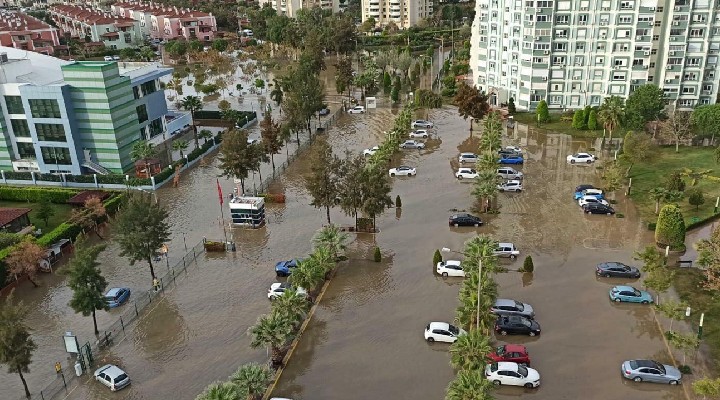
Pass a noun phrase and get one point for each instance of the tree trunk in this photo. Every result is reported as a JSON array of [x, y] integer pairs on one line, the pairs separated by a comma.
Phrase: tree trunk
[[297, 135], [272, 161], [327, 213], [260, 175], [657, 206], [195, 136], [152, 270], [22, 378], [95, 323], [677, 145]]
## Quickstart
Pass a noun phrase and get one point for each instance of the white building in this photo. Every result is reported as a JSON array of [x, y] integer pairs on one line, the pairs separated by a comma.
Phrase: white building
[[404, 13], [573, 53], [291, 7]]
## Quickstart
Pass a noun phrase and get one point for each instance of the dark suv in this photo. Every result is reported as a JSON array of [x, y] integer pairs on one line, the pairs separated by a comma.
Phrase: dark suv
[[516, 325], [464, 219], [598, 208]]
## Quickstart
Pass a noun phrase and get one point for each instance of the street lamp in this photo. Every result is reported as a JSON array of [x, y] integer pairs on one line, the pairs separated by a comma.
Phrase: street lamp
[[477, 317]]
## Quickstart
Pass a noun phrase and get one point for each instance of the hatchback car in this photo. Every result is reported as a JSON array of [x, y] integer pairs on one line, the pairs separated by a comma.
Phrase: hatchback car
[[466, 173], [467, 158], [629, 294], [403, 170], [112, 377], [580, 188], [509, 173], [442, 332], [597, 208], [510, 186], [516, 325], [506, 250], [512, 307], [509, 152], [585, 158], [324, 111], [421, 123], [587, 199], [371, 151], [277, 289], [464, 219], [108, 58], [284, 268], [512, 374], [117, 296], [598, 193], [420, 133], [412, 144], [510, 159], [516, 353], [450, 268], [357, 110], [616, 270], [650, 371]]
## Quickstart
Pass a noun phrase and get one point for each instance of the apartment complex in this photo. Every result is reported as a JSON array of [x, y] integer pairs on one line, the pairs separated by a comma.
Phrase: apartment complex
[[576, 53], [25, 32], [160, 21], [76, 117], [96, 26], [290, 8], [403, 13]]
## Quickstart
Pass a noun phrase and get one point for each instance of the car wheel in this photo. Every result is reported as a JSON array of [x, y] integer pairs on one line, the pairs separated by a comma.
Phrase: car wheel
[[529, 385], [572, 161], [424, 136], [444, 274], [617, 300], [460, 177], [496, 383], [503, 333], [512, 256], [532, 333], [588, 212], [673, 382], [279, 274], [645, 302], [430, 339], [456, 224], [589, 161], [392, 174], [607, 275], [476, 224], [637, 379]]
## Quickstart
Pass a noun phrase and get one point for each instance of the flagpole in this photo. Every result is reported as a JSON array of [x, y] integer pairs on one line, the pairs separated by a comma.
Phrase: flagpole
[[222, 213]]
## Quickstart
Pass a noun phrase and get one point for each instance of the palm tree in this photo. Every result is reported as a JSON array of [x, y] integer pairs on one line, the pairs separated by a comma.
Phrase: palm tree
[[470, 351], [220, 391], [277, 94], [251, 379], [291, 305], [192, 104], [469, 385], [332, 238], [469, 310], [485, 187], [205, 135], [611, 113], [492, 130], [180, 145], [487, 160], [272, 330], [481, 248], [143, 150], [322, 258], [307, 275]]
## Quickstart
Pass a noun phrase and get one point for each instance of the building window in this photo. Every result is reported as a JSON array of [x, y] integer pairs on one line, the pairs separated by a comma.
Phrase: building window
[[41, 108], [136, 92], [50, 132], [26, 151], [155, 127], [688, 90], [555, 99], [535, 97], [56, 155], [148, 87], [618, 76], [20, 127], [141, 113], [14, 105]]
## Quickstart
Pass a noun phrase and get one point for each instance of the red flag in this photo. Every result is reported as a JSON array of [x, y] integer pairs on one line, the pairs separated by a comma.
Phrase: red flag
[[220, 196]]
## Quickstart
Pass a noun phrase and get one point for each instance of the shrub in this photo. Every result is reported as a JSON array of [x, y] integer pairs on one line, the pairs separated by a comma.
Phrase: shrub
[[112, 205], [80, 178], [670, 227], [65, 230], [8, 239], [48, 177], [117, 179], [511, 106], [377, 256], [578, 120], [398, 201], [36, 194], [528, 265], [592, 123], [675, 182], [696, 197], [19, 176], [542, 112], [437, 257]]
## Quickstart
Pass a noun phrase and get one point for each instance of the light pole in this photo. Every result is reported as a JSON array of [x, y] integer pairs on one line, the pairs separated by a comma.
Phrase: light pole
[[480, 267]]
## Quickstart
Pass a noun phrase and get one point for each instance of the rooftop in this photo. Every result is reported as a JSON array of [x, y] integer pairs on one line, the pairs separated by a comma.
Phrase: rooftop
[[161, 9], [11, 21], [89, 15], [8, 215]]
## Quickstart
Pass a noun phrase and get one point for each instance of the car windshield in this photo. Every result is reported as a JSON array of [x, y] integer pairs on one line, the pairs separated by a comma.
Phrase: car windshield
[[522, 371], [519, 306], [661, 368], [120, 378], [636, 292], [454, 330], [493, 367], [500, 350], [525, 322]]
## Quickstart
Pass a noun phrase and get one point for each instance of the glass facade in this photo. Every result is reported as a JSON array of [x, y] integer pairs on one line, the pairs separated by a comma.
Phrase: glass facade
[[56, 155], [26, 151], [41, 108], [14, 105], [148, 87], [50, 132], [20, 127], [155, 127]]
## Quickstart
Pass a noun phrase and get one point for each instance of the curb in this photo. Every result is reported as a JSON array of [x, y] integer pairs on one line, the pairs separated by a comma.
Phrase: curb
[[685, 385]]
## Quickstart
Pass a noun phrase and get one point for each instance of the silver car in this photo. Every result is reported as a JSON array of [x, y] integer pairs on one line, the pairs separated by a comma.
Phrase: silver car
[[650, 371], [512, 307], [412, 144], [509, 173]]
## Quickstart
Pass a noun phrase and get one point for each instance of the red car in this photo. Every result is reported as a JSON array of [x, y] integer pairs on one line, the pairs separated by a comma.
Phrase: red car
[[516, 353]]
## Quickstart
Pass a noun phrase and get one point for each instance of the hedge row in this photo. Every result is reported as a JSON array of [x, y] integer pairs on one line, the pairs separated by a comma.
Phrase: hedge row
[[36, 194], [211, 114], [167, 172]]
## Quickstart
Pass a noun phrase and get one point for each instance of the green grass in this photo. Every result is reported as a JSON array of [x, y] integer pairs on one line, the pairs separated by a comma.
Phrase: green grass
[[62, 214], [555, 125], [653, 172]]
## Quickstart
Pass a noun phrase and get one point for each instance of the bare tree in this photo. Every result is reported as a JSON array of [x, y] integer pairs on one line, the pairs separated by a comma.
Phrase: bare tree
[[678, 127]]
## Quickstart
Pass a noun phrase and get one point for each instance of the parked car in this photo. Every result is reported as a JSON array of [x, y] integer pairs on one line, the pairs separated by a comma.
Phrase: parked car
[[613, 269], [403, 170], [371, 151], [357, 110], [449, 268], [464, 219], [509, 159], [115, 297], [253, 140], [467, 158], [442, 332], [421, 123], [516, 149], [580, 188], [112, 377], [650, 371], [511, 352], [509, 173], [420, 133], [108, 58], [629, 294], [587, 199], [412, 144], [597, 208], [512, 307], [510, 186], [509, 152], [507, 250], [466, 173], [278, 288], [284, 268], [590, 192], [585, 158], [116, 58], [516, 325], [512, 374], [324, 111]]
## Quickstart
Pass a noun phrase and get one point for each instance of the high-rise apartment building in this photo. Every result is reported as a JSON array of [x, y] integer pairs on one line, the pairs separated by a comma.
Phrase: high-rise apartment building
[[290, 8], [404, 13], [573, 53]]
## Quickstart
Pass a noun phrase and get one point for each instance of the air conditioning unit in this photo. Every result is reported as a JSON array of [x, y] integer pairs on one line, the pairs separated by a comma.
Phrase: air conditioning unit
[[546, 52], [676, 23], [669, 67], [677, 8], [650, 23], [603, 23], [645, 67], [672, 53], [583, 8], [647, 53], [538, 37], [544, 78], [606, 9]]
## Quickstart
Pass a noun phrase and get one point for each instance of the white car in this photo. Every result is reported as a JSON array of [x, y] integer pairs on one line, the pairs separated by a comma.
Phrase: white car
[[108, 58], [277, 289], [509, 173], [516, 149], [371, 151], [421, 123], [586, 158], [450, 268], [112, 377], [357, 110], [591, 199], [467, 158], [510, 186], [442, 332], [466, 173], [420, 133], [412, 144], [116, 58], [403, 170], [253, 141], [513, 374]]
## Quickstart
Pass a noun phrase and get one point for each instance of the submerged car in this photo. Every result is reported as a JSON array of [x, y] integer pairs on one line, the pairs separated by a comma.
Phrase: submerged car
[[598, 208], [112, 377], [464, 219], [511, 159], [585, 158], [512, 307], [442, 332], [412, 144], [467, 158], [284, 268], [509, 173], [466, 173], [506, 250], [421, 123], [510, 186], [512, 374], [516, 353], [650, 371], [587, 199], [629, 294], [616, 270], [420, 133], [357, 110], [371, 151], [277, 289], [516, 325], [403, 170], [597, 193], [450, 268], [115, 297]]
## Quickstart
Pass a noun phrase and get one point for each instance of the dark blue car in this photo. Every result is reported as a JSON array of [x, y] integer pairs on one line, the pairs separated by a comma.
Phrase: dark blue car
[[284, 268], [511, 159], [116, 296]]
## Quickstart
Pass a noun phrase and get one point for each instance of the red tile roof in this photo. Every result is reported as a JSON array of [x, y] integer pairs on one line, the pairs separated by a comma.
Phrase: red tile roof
[[8, 215]]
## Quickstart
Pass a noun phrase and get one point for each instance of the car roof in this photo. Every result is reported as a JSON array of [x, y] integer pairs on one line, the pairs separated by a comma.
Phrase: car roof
[[589, 197], [592, 190], [468, 154], [462, 215], [439, 325], [451, 262], [625, 287], [506, 245], [515, 348], [610, 264], [646, 363], [114, 291], [507, 366], [513, 181], [500, 302], [110, 369]]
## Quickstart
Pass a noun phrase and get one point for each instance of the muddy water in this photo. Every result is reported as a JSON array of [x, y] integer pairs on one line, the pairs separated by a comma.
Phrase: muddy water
[[366, 338]]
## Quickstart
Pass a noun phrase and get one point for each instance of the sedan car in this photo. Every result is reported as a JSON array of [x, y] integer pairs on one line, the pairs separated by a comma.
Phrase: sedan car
[[402, 170], [277, 289], [512, 307], [516, 149], [371, 151], [629, 294], [650, 371], [467, 158], [512, 374], [616, 270], [420, 133], [506, 250], [117, 296], [442, 332], [284, 268], [510, 186], [587, 199], [597, 208], [412, 144], [324, 111], [589, 192], [516, 325], [585, 158], [357, 110], [112, 377], [580, 188], [510, 159], [509, 173], [466, 173], [421, 123], [464, 219], [516, 353], [509, 152], [450, 268]]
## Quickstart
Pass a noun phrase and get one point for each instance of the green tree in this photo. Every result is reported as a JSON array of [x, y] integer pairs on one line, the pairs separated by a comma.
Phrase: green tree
[[252, 380], [706, 119], [322, 182], [492, 132], [670, 227], [377, 255], [220, 391], [205, 135], [144, 151], [469, 385], [291, 305], [696, 198], [141, 228], [685, 342], [45, 211], [16, 343], [578, 120], [87, 283], [592, 120], [180, 145], [273, 331], [270, 134], [437, 257], [308, 275], [659, 193], [376, 188], [237, 157], [470, 351], [511, 106], [220, 45], [387, 82], [673, 310], [343, 75], [276, 94], [528, 265], [395, 94], [612, 113], [485, 187], [586, 115], [332, 238], [707, 387], [542, 113], [674, 182], [709, 258], [644, 104], [471, 102], [637, 147], [350, 188], [192, 104]]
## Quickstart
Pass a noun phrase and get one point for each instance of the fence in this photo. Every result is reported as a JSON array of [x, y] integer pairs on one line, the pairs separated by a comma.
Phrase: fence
[[116, 332]]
